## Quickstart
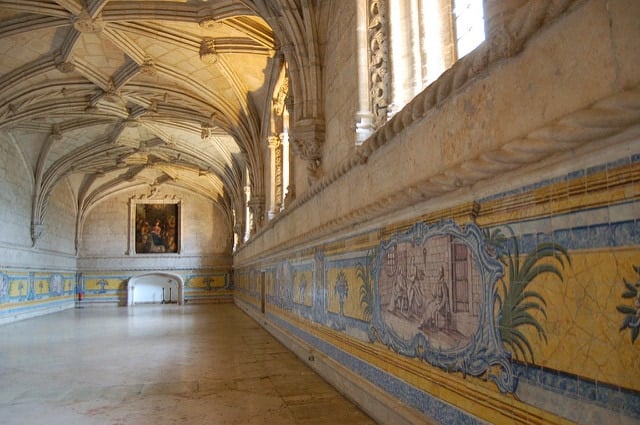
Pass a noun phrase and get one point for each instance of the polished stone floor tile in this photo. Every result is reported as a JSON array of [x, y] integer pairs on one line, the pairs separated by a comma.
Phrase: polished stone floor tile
[[199, 364]]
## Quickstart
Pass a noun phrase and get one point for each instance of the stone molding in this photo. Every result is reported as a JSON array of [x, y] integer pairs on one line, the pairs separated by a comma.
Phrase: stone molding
[[614, 115]]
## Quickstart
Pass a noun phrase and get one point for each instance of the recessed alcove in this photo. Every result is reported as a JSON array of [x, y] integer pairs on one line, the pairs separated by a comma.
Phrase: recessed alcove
[[155, 288]]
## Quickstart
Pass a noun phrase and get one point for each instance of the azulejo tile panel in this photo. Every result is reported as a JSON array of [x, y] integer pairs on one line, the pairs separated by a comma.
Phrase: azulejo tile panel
[[25, 293], [545, 291]]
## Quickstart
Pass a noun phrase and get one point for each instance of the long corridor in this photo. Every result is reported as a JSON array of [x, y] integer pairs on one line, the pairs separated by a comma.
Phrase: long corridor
[[158, 364]]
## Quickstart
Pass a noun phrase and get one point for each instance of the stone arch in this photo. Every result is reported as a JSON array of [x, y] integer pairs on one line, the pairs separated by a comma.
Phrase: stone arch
[[151, 281]]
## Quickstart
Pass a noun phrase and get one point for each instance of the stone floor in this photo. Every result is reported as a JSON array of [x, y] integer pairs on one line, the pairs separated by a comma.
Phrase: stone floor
[[199, 364]]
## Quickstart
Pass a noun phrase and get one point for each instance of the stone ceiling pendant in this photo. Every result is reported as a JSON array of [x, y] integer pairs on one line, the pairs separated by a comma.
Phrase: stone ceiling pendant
[[84, 23], [208, 52]]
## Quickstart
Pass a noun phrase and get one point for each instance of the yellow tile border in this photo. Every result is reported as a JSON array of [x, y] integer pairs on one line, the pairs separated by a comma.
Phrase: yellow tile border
[[600, 189]]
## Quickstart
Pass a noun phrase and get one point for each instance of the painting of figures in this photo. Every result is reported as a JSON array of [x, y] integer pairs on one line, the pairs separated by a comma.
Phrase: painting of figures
[[156, 227]]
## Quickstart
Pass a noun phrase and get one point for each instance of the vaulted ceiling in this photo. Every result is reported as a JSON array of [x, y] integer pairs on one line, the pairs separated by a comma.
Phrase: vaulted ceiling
[[112, 95]]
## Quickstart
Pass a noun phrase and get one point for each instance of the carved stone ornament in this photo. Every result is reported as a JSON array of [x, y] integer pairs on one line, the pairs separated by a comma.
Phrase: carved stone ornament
[[256, 206], [209, 22], [148, 68], [154, 194], [378, 61], [56, 133], [308, 149], [206, 131], [110, 94], [88, 25], [308, 136], [290, 196], [37, 229], [281, 97], [208, 52], [62, 64]]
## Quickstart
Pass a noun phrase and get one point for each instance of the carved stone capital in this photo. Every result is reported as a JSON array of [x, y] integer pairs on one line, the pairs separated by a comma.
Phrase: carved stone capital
[[257, 206], [308, 136]]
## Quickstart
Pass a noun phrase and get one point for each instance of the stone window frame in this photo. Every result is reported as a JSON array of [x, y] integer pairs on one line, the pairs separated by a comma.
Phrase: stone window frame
[[393, 47]]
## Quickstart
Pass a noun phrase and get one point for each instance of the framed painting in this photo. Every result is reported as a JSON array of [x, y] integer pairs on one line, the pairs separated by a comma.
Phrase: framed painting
[[155, 227]]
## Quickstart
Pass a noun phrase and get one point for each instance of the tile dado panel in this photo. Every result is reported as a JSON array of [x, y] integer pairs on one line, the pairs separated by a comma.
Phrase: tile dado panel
[[523, 306], [26, 294], [199, 286]]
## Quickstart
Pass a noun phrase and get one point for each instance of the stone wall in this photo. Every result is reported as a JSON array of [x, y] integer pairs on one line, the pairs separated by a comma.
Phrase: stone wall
[[528, 159], [34, 279], [107, 256]]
